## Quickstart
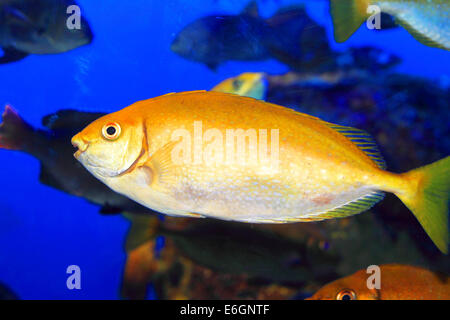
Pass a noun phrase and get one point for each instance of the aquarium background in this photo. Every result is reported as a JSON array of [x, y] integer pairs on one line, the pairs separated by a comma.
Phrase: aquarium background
[[43, 230]]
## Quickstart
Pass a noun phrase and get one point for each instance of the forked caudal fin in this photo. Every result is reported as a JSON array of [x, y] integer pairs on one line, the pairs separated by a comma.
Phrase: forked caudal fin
[[12, 130], [428, 199]]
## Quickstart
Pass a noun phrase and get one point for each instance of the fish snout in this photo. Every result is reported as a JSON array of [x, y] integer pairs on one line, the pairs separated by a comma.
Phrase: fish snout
[[79, 143]]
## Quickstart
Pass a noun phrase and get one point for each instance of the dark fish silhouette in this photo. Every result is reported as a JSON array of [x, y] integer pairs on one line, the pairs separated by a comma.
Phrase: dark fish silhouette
[[38, 27], [236, 248], [59, 169], [290, 36]]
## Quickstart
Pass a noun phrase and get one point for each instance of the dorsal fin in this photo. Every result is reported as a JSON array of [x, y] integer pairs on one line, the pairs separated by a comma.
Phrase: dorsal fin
[[363, 141], [251, 9]]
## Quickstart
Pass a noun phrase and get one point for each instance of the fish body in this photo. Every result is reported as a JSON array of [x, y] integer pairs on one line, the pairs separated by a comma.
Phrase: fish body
[[248, 84], [397, 282], [311, 170], [238, 249], [58, 167], [426, 20], [39, 27], [290, 36], [213, 40]]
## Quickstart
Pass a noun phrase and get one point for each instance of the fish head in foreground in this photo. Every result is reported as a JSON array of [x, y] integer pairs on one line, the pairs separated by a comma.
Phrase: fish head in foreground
[[353, 287], [248, 84], [110, 146], [42, 26]]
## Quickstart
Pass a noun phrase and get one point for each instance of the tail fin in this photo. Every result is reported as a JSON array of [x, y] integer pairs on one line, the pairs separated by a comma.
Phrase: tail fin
[[13, 130], [429, 199], [348, 16]]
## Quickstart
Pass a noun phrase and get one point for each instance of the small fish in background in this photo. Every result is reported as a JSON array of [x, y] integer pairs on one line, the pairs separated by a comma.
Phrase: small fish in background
[[425, 20], [58, 168], [352, 65], [325, 171], [397, 282], [290, 36], [38, 27], [248, 84]]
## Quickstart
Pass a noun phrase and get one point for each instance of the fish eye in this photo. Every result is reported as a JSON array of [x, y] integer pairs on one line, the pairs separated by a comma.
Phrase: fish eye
[[346, 294], [111, 131], [237, 83]]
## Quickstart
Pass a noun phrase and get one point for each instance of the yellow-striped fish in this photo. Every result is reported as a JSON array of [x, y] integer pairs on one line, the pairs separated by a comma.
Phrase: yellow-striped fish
[[248, 84], [212, 154], [426, 20]]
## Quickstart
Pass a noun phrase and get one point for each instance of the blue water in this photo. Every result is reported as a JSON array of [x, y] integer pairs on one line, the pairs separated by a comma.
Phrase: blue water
[[42, 230]]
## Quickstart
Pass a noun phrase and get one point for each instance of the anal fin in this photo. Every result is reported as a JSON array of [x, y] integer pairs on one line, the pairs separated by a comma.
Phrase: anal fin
[[348, 209]]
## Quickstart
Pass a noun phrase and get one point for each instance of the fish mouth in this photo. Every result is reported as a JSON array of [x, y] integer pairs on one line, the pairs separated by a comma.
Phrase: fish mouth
[[78, 154], [81, 145]]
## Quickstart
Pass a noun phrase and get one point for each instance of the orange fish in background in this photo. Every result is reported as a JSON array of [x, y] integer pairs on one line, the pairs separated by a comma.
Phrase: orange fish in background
[[397, 282], [315, 170]]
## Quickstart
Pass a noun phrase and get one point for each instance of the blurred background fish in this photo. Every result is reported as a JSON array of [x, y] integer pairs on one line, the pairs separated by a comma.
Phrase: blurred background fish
[[397, 282], [248, 84], [289, 36], [39, 27], [425, 20], [224, 248]]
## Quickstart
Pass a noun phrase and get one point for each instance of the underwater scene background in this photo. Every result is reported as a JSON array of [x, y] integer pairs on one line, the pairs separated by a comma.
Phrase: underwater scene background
[[382, 81]]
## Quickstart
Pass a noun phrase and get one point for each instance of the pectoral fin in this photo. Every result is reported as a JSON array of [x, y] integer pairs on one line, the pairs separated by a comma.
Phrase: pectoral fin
[[12, 55], [162, 167], [160, 172]]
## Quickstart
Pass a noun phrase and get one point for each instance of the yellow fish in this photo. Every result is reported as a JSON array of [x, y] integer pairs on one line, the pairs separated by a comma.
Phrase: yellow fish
[[248, 84], [212, 154], [426, 20], [396, 282]]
